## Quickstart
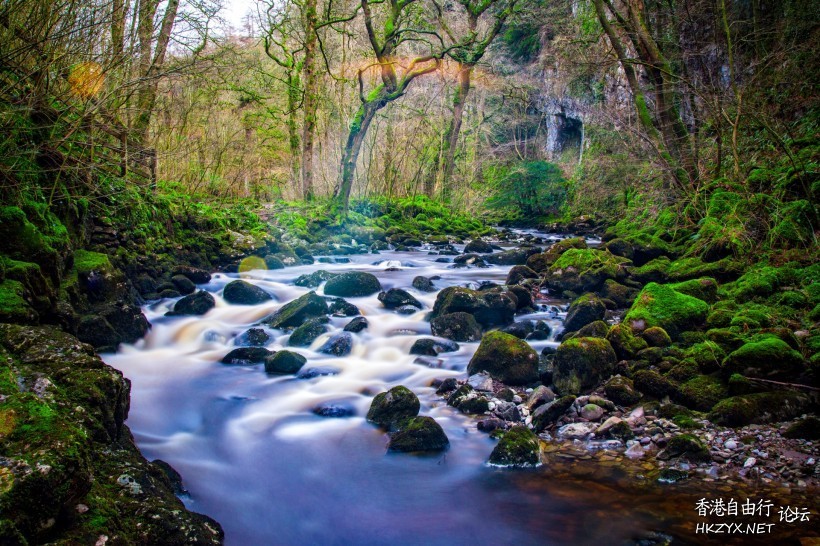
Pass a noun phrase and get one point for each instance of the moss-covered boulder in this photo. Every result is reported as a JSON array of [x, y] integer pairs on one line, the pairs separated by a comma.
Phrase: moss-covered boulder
[[656, 337], [14, 304], [653, 384], [519, 274], [307, 333], [625, 344], [585, 270], [686, 446], [495, 307], [584, 310], [284, 362], [622, 391], [519, 447], [241, 292], [660, 305], [456, 326], [398, 297], [708, 355], [315, 279], [197, 303], [598, 328], [763, 407], [582, 363], [723, 270], [767, 357], [353, 284], [419, 434], [622, 295], [701, 393], [541, 262], [705, 288], [506, 358], [296, 312], [804, 429], [393, 406], [655, 270]]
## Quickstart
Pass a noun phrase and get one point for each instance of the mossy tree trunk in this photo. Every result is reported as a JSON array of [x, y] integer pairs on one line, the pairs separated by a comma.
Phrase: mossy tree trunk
[[311, 98]]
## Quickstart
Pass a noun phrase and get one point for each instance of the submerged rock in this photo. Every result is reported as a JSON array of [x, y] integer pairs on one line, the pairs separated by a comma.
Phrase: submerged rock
[[256, 337], [356, 325], [246, 355], [419, 434], [244, 293], [334, 409], [519, 446], [395, 405], [307, 333], [338, 345], [432, 347], [506, 358]]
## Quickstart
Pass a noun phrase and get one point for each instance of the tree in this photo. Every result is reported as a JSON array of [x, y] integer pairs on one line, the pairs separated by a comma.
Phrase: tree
[[395, 79], [469, 51]]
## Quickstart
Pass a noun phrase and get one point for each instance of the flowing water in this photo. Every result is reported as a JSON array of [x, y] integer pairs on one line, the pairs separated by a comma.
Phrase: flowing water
[[255, 457]]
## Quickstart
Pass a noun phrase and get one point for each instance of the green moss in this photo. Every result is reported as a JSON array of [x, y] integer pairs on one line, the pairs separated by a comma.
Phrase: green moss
[[582, 363], [519, 446], [705, 288], [767, 356], [86, 261], [506, 358], [764, 407], [660, 305], [694, 268], [702, 392], [708, 355], [688, 447], [653, 384], [624, 342], [13, 305]]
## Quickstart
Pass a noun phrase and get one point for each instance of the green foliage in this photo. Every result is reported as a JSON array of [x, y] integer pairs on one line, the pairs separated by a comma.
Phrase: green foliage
[[522, 40], [529, 189]]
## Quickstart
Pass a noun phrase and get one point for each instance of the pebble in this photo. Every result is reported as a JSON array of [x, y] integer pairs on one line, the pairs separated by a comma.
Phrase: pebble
[[750, 462], [635, 451], [730, 444]]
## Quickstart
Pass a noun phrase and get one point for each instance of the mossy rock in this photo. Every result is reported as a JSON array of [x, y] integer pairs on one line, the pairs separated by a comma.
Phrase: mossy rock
[[584, 310], [518, 447], [418, 434], [307, 333], [585, 270], [14, 307], [398, 297], [708, 355], [241, 292], [728, 339], [353, 284], [478, 246], [598, 328], [495, 307], [296, 312], [622, 295], [515, 256], [622, 391], [653, 271], [683, 371], [804, 429], [315, 279], [621, 247], [688, 447], [660, 305], [763, 407], [284, 362], [506, 358], [625, 344], [760, 282], [582, 363], [701, 393], [766, 358], [393, 406], [86, 262], [694, 268], [653, 384], [456, 326], [705, 289], [541, 262], [656, 337], [519, 274]]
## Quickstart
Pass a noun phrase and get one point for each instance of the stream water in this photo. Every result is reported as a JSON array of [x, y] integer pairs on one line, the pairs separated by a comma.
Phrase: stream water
[[256, 458]]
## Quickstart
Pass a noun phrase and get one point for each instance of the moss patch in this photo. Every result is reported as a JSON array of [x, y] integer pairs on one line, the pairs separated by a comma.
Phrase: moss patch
[[660, 305]]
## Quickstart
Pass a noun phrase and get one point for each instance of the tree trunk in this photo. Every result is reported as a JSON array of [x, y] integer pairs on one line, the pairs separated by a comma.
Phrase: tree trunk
[[355, 138], [293, 125], [311, 99], [451, 141]]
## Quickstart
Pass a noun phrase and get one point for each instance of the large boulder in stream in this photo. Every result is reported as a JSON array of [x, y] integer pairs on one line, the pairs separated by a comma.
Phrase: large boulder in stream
[[246, 355], [419, 434], [493, 307], [296, 312], [519, 446], [284, 362], [582, 363], [393, 406], [506, 358], [478, 246], [307, 333], [353, 284], [244, 293], [397, 297], [516, 256], [197, 303], [456, 326]]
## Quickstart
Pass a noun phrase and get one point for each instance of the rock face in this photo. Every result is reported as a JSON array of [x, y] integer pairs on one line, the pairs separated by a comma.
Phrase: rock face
[[295, 313], [419, 434], [456, 326], [244, 293], [582, 363], [353, 284], [198, 303], [397, 404], [55, 454], [518, 447], [660, 305], [506, 358]]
